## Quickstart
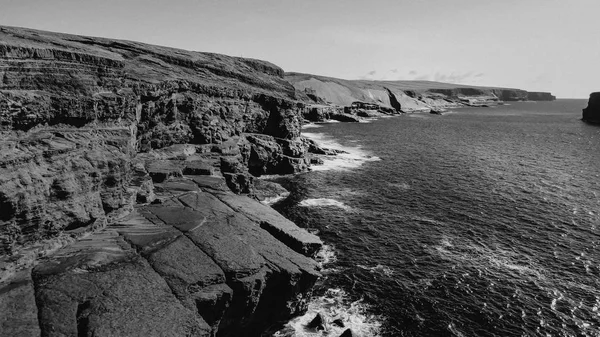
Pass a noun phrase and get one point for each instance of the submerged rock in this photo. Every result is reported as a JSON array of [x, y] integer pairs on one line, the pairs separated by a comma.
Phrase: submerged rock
[[317, 323], [338, 322], [347, 333]]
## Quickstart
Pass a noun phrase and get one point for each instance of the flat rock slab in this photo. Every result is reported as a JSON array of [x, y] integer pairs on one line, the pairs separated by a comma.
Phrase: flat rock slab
[[174, 187], [18, 311], [276, 224], [210, 183], [86, 293], [193, 276]]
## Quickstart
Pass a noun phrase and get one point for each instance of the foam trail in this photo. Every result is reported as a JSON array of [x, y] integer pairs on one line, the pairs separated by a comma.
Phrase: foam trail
[[323, 202], [353, 157], [334, 304], [311, 126], [272, 200]]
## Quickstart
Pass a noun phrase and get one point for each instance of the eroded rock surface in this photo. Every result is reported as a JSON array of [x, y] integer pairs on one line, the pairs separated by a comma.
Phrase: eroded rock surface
[[117, 217]]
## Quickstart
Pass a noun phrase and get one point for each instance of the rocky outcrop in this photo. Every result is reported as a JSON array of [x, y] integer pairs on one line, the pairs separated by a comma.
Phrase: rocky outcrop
[[188, 266], [75, 110], [405, 96], [117, 217], [591, 113]]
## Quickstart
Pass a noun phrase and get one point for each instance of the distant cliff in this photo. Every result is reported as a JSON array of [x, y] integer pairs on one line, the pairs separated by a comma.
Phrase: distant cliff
[[406, 96], [591, 114]]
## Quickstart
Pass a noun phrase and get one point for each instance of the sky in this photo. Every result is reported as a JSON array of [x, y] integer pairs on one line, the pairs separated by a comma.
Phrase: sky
[[536, 45]]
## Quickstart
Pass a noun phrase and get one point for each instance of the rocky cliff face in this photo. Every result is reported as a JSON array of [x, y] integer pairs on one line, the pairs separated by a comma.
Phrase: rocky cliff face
[[405, 96], [591, 113], [74, 110], [117, 162]]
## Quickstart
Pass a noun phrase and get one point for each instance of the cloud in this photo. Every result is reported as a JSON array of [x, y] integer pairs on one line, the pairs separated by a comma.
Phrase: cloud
[[479, 75], [394, 70], [453, 77], [412, 73], [368, 76], [422, 78]]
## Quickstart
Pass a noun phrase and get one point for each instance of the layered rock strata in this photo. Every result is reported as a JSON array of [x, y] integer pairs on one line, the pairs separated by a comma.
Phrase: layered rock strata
[[591, 113], [117, 216], [400, 96], [75, 110]]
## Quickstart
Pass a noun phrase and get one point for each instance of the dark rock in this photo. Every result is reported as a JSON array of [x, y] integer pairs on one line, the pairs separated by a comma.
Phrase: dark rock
[[161, 170], [268, 191], [316, 161], [338, 322], [347, 333], [345, 117], [239, 182], [591, 113], [316, 323], [198, 167], [232, 165]]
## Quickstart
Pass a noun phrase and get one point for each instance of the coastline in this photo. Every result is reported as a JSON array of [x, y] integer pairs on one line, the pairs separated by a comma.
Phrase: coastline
[[143, 167]]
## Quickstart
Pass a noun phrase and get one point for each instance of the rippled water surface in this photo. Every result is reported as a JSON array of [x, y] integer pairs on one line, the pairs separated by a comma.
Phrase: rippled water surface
[[481, 222]]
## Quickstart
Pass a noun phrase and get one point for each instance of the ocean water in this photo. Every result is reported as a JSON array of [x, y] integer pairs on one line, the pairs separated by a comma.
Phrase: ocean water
[[481, 222]]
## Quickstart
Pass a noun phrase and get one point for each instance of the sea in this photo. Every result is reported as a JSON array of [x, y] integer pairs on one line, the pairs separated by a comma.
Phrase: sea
[[479, 222]]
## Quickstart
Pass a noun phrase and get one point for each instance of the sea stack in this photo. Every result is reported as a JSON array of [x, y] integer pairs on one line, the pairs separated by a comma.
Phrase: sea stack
[[591, 114]]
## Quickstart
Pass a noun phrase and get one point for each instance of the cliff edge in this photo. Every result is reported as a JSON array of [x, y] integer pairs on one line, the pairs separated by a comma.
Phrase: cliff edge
[[120, 172], [591, 113]]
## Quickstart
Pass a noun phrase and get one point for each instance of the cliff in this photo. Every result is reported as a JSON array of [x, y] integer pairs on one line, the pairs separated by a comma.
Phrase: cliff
[[405, 96], [117, 170], [591, 113]]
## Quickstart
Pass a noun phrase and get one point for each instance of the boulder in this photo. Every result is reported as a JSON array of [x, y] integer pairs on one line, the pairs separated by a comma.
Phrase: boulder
[[338, 322]]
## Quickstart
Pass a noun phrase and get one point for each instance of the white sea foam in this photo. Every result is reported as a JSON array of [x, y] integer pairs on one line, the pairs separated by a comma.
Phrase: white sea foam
[[324, 202], [491, 259], [334, 305], [381, 269], [353, 157], [326, 255], [311, 126], [271, 200]]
